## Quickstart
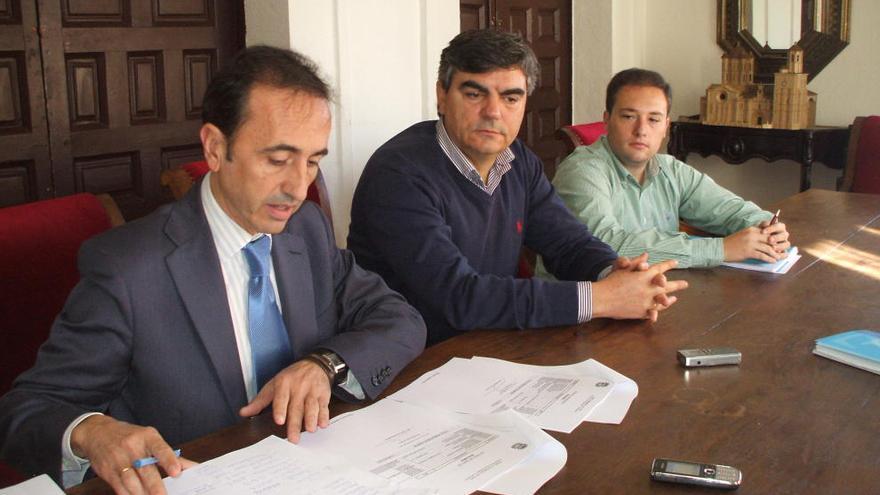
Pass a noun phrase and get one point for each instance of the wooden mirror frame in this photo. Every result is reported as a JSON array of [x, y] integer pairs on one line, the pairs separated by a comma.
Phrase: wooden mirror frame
[[819, 47]]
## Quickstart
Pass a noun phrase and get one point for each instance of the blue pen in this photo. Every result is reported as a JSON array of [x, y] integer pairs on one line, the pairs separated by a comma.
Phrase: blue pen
[[146, 461]]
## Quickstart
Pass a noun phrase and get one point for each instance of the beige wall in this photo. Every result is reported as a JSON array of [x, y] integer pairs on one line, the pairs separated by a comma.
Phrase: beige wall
[[381, 58]]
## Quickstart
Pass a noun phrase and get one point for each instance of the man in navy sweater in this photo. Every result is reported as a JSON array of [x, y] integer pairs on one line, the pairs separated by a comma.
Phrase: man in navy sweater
[[443, 209]]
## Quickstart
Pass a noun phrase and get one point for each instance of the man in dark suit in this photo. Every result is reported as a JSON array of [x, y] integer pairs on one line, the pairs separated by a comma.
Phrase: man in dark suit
[[159, 343]]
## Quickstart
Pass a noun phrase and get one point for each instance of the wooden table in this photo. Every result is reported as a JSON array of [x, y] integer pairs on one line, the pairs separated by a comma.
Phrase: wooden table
[[737, 144], [793, 422]]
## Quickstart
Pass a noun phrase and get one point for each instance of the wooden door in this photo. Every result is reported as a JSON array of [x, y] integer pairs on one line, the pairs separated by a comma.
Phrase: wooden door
[[124, 81], [546, 26], [25, 169]]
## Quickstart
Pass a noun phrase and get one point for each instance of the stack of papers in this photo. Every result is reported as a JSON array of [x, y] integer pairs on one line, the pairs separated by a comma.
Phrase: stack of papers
[[275, 466], [472, 424], [557, 398], [781, 266]]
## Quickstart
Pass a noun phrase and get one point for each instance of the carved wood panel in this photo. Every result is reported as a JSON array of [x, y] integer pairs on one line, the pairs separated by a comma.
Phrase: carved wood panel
[[14, 107], [183, 12], [124, 82], [198, 67], [474, 14], [146, 87], [17, 182], [93, 13], [25, 168], [86, 90], [10, 12]]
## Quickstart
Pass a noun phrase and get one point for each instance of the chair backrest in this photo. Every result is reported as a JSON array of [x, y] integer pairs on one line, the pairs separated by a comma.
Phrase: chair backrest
[[862, 171], [180, 180], [9, 476], [40, 242], [580, 134]]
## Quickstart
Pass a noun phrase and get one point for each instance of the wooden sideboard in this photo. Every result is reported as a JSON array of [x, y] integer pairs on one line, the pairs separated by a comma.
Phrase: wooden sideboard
[[738, 144]]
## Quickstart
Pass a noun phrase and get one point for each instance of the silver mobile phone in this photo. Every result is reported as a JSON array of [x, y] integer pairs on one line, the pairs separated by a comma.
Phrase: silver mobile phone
[[712, 356], [694, 473]]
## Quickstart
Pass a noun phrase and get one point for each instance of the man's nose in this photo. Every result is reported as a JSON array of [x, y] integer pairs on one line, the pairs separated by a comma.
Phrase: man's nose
[[297, 181], [492, 107], [641, 126]]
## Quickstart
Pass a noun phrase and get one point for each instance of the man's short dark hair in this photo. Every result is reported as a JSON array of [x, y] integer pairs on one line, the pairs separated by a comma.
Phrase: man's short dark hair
[[636, 77], [484, 50], [227, 94]]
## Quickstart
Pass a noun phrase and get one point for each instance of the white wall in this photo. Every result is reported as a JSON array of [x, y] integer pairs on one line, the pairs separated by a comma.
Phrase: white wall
[[381, 57], [592, 60], [607, 37]]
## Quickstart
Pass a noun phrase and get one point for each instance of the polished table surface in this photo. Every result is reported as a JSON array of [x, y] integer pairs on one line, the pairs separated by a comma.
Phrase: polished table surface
[[792, 422]]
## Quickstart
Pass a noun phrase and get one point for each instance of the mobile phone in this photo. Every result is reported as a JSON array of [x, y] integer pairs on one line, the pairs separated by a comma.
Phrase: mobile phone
[[695, 473], [712, 356]]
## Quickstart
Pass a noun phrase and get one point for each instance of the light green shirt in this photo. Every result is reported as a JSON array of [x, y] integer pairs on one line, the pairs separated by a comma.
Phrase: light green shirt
[[634, 218]]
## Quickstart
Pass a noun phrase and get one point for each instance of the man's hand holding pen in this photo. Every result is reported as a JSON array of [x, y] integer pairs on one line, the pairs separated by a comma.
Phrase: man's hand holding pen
[[768, 242], [777, 235]]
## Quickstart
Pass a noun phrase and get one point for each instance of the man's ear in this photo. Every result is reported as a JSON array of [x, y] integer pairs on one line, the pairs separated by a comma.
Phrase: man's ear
[[213, 146], [605, 117], [441, 99]]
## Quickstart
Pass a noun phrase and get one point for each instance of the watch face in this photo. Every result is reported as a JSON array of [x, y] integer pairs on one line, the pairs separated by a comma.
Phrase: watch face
[[339, 367]]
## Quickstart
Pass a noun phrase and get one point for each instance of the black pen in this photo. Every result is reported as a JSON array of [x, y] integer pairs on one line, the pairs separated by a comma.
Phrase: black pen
[[775, 218]]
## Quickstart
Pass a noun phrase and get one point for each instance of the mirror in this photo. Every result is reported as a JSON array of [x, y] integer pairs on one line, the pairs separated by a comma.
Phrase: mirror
[[773, 23], [823, 26]]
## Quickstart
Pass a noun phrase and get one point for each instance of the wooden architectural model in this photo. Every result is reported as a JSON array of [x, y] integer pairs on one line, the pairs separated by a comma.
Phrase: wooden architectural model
[[739, 101]]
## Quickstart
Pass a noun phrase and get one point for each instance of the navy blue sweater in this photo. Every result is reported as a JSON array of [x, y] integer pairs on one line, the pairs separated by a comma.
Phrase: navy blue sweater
[[453, 250]]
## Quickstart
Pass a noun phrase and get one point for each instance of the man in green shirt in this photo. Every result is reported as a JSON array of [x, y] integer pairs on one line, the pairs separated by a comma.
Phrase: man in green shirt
[[632, 198]]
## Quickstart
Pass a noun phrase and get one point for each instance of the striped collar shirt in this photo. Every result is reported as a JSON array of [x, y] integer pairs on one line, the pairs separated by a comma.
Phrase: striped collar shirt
[[501, 166]]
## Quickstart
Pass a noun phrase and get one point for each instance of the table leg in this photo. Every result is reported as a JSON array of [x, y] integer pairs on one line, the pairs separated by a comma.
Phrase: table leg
[[806, 173]]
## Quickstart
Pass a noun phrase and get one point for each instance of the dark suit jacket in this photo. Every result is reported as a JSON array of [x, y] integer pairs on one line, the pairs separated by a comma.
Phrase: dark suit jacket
[[146, 336]]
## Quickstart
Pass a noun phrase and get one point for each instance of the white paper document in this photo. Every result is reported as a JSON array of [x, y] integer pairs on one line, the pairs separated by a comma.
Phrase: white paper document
[[274, 466], [40, 485], [414, 446], [556, 398], [780, 267], [528, 476]]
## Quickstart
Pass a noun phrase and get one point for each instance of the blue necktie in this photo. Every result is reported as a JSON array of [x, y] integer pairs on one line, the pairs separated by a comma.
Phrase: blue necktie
[[270, 346]]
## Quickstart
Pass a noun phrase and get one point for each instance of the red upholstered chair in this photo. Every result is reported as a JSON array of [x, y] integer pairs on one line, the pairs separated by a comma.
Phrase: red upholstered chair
[[180, 180], [862, 172], [580, 134], [39, 244], [9, 476]]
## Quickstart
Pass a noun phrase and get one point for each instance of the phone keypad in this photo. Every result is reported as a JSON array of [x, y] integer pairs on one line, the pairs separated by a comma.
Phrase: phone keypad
[[725, 473]]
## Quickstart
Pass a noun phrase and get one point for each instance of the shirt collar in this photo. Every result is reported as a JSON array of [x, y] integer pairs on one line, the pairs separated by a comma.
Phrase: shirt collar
[[501, 166], [229, 237]]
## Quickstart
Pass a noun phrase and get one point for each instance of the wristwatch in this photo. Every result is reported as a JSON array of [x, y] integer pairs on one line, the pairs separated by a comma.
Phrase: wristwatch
[[332, 364]]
